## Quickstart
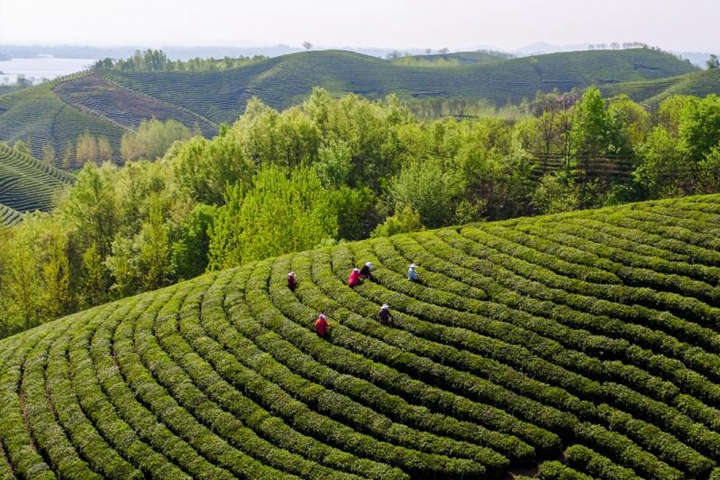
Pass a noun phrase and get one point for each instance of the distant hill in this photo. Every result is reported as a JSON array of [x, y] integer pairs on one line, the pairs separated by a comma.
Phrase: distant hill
[[114, 102], [480, 57], [27, 184], [654, 91], [583, 344]]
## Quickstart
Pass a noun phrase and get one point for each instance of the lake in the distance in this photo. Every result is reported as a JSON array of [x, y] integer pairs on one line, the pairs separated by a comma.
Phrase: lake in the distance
[[38, 68]]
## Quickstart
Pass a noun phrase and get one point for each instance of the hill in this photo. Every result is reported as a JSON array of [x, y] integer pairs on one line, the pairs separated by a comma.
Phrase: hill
[[283, 81], [111, 103], [652, 92], [39, 115], [27, 184], [590, 337]]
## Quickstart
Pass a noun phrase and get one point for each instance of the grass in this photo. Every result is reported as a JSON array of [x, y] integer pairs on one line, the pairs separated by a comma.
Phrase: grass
[[590, 337], [27, 184]]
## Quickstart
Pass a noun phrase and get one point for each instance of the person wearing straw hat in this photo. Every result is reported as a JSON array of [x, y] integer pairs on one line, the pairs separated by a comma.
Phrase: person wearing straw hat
[[412, 274], [384, 314], [354, 278], [292, 281], [365, 271], [322, 327]]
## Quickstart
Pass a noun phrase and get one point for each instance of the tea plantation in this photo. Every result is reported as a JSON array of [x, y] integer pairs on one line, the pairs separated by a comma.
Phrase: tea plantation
[[26, 183], [9, 216], [584, 344]]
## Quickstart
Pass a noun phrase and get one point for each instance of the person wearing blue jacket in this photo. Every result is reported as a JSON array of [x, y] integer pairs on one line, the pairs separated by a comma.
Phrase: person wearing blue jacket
[[412, 274]]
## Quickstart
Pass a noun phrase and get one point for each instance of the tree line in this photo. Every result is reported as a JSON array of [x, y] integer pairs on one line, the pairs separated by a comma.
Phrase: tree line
[[157, 61], [335, 169]]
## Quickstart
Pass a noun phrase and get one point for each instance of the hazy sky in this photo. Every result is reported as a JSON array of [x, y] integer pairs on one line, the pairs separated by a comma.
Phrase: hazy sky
[[508, 24]]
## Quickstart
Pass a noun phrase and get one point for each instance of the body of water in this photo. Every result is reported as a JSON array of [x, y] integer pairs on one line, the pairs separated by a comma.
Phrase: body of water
[[41, 68]]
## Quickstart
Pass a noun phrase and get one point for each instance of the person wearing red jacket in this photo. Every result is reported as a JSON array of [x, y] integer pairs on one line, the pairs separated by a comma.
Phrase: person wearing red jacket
[[322, 327], [291, 281], [354, 279]]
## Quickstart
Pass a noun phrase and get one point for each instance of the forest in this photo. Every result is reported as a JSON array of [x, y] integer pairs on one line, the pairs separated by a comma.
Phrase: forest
[[338, 169]]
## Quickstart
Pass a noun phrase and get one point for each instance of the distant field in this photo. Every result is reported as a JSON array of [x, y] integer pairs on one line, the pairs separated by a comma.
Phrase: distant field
[[585, 344], [26, 184]]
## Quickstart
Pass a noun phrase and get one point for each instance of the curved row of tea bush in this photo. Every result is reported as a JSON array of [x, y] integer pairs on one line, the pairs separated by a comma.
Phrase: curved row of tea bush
[[579, 343]]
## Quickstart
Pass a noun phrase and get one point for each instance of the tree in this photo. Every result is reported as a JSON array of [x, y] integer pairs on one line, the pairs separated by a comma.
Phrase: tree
[[591, 127], [444, 50], [283, 212], [430, 189], [86, 150], [663, 169], [307, 45], [428, 51], [104, 150], [68, 159], [49, 155], [152, 139], [555, 193], [403, 221], [700, 126], [713, 62]]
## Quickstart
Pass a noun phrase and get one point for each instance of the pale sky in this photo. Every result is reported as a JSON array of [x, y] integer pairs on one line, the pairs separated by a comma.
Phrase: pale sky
[[690, 25]]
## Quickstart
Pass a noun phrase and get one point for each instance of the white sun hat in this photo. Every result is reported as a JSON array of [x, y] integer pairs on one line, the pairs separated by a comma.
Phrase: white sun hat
[[412, 265], [385, 306], [356, 269]]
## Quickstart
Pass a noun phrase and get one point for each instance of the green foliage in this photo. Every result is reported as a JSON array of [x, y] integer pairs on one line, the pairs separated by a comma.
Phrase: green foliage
[[282, 212], [556, 193], [664, 170], [700, 126], [428, 188], [190, 251], [152, 139], [157, 61], [403, 221]]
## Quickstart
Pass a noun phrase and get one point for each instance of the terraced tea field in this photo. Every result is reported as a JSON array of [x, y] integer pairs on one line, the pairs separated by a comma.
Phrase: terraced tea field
[[26, 183], [9, 216], [585, 343]]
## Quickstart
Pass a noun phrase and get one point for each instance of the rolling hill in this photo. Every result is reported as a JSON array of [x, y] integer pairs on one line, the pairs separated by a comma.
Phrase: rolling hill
[[586, 343], [27, 184], [110, 103], [652, 92]]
